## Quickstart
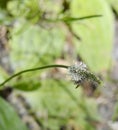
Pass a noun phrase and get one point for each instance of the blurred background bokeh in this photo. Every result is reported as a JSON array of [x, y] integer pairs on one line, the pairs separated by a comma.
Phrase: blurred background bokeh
[[35, 33]]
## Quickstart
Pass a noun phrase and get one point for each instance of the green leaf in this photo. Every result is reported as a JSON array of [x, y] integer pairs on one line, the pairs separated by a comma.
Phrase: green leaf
[[35, 45], [96, 33], [9, 120], [25, 84]]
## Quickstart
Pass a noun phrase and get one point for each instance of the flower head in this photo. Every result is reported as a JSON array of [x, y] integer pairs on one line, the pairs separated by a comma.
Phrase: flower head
[[79, 74]]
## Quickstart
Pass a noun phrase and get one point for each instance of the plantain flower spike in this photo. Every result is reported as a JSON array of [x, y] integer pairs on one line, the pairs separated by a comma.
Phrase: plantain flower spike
[[79, 74]]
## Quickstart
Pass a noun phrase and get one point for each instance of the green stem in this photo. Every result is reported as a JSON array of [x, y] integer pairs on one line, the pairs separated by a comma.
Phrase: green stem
[[33, 69], [71, 19]]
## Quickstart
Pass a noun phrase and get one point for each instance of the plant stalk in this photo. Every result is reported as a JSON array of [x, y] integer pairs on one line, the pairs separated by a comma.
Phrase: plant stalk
[[33, 69]]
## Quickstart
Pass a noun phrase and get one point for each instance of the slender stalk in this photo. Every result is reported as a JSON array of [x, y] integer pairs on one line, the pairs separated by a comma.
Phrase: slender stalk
[[72, 19], [33, 69]]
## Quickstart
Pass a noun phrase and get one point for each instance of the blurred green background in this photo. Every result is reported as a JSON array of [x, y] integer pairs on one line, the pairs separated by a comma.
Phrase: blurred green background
[[35, 33]]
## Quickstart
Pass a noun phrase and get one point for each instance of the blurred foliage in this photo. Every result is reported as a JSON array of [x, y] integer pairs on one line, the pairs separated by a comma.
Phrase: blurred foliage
[[28, 84], [25, 8], [36, 49], [115, 114], [38, 31], [3, 75], [96, 34], [114, 4], [52, 97], [9, 120], [3, 3]]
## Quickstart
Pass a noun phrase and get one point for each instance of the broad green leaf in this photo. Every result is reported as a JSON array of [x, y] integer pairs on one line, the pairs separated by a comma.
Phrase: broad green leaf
[[35, 45], [96, 33], [9, 120]]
